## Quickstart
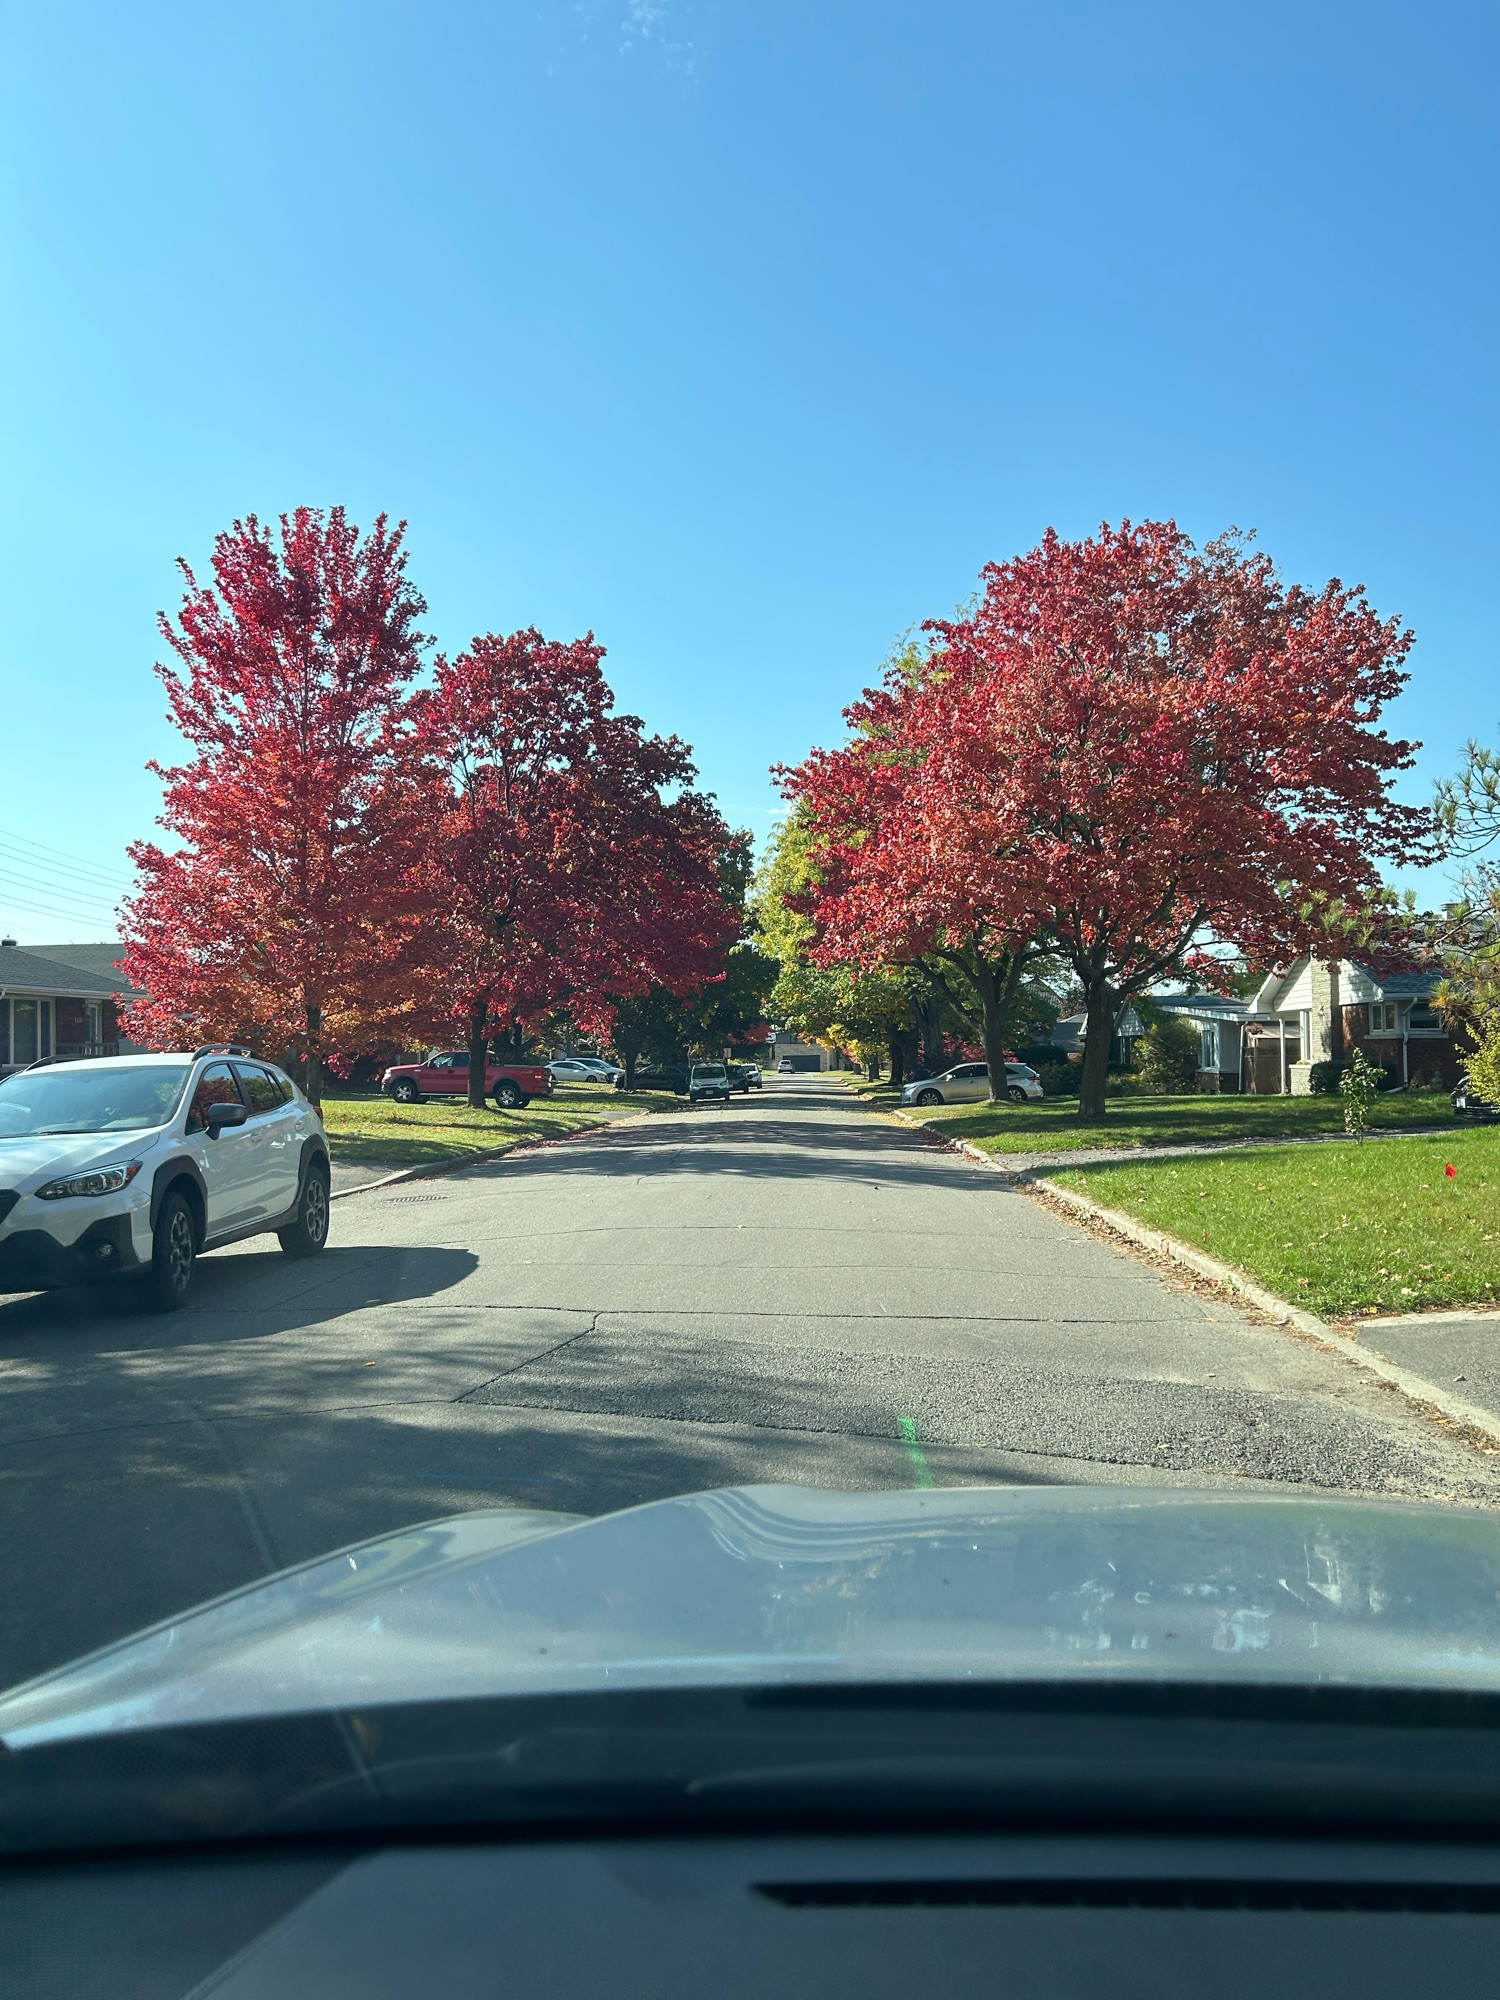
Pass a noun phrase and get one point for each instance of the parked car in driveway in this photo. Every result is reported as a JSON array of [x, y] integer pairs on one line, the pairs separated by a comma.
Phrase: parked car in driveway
[[585, 1069], [708, 1083], [131, 1166], [744, 1076], [1467, 1103], [511, 1085], [968, 1082], [785, 1067], [658, 1076]]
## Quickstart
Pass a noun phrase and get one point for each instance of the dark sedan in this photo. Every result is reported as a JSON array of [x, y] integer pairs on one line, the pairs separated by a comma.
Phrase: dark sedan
[[1467, 1103]]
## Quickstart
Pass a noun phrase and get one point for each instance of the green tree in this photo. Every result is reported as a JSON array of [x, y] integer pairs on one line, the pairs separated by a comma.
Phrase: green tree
[[1169, 1056]]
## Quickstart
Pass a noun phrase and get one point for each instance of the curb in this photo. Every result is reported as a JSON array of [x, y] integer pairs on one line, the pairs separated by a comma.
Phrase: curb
[[432, 1170], [1429, 1396]]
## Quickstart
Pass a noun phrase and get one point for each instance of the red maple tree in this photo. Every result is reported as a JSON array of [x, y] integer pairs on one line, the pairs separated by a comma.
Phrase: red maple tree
[[286, 898], [557, 871], [1132, 751]]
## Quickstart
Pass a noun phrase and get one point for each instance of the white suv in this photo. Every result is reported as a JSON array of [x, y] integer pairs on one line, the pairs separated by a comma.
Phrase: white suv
[[135, 1164]]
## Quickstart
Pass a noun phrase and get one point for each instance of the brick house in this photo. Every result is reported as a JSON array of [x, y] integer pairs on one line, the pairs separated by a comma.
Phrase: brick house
[[1321, 1012], [58, 1007]]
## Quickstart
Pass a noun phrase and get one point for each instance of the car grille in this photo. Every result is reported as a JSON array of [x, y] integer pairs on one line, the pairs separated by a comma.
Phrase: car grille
[[8, 1199]]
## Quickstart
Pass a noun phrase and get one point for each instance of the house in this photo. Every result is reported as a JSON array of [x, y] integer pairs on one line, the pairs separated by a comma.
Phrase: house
[[1067, 1036], [59, 1001], [1220, 1020], [1320, 1012]]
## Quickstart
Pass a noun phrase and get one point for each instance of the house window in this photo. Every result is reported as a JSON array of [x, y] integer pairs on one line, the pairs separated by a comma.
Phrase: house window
[[1208, 1046], [1383, 1018]]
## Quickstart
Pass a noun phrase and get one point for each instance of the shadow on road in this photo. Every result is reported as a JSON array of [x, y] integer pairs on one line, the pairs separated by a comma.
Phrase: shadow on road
[[244, 1296]]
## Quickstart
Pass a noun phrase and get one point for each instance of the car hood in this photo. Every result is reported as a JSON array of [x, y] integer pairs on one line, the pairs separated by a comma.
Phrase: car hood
[[23, 1161], [779, 1584]]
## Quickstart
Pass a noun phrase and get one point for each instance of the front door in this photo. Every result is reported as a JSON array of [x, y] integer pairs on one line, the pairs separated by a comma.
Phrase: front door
[[230, 1163]]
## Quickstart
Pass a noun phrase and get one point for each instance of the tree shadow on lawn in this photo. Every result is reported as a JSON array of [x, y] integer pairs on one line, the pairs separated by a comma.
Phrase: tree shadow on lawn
[[1166, 1121]]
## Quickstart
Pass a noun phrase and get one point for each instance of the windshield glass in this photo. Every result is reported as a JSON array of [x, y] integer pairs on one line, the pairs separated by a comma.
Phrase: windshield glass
[[709, 1072], [126, 1099]]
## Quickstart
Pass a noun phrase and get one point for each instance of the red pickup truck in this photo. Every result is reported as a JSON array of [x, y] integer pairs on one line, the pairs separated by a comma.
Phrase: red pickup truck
[[512, 1085]]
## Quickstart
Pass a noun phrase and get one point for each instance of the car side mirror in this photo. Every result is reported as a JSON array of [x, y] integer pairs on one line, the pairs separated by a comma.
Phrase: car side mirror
[[219, 1115]]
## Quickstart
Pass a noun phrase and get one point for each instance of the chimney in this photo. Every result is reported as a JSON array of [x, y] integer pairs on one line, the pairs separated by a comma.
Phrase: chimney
[[1327, 1022], [9, 941]]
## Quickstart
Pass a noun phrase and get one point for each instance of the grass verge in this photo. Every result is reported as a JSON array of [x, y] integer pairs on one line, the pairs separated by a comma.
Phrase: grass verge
[[1341, 1229], [366, 1127], [1052, 1125]]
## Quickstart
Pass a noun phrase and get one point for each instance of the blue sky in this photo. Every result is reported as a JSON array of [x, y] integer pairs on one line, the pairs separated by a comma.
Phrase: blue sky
[[742, 335]]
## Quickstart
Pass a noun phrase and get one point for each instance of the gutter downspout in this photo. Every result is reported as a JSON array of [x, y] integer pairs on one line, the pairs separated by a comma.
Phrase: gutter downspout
[[1281, 1029]]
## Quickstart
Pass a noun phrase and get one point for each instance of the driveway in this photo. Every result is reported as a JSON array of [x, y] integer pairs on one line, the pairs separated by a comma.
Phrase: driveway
[[789, 1289]]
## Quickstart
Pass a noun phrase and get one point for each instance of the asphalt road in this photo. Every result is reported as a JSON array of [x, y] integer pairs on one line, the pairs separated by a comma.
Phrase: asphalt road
[[790, 1289]]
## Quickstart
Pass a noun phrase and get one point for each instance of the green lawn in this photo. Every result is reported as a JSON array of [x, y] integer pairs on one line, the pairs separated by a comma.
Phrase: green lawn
[[1341, 1229], [364, 1126], [1052, 1125]]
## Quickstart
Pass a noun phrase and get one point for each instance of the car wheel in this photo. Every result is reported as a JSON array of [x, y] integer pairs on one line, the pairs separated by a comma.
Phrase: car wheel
[[510, 1097], [309, 1232], [406, 1092], [174, 1255], [1016, 1094], [925, 1097]]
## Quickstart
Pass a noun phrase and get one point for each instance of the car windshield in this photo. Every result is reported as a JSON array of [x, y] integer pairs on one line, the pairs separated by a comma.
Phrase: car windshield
[[709, 1072], [123, 1098]]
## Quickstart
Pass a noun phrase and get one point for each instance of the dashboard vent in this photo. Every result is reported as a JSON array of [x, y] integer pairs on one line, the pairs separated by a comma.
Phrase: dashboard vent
[[1167, 1893]]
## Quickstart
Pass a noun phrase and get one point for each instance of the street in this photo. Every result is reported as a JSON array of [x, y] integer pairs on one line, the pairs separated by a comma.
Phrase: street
[[789, 1289]]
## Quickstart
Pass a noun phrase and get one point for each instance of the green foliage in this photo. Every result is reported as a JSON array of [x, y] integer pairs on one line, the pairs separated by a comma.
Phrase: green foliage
[[1359, 1086], [1058, 1078], [1169, 1056], [1325, 1079]]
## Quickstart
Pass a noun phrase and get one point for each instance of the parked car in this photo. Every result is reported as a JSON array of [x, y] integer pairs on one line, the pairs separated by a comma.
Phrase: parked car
[[1467, 1103], [585, 1069], [708, 1083], [511, 1085], [785, 1066], [744, 1076], [968, 1081], [132, 1166], [669, 1076]]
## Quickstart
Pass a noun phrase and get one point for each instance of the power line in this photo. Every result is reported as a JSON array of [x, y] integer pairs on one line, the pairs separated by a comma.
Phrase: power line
[[77, 914], [51, 860], [67, 892]]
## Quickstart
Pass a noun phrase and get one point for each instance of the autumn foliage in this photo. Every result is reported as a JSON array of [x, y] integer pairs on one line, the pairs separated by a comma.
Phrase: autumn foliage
[[555, 872], [358, 860], [1131, 750], [280, 913]]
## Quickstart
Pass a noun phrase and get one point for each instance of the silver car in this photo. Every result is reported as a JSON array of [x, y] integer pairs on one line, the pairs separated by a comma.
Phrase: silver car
[[967, 1082], [586, 1069]]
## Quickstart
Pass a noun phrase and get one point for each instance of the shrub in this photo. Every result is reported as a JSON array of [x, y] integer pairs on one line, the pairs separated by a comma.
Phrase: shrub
[[1324, 1078], [1359, 1086], [1058, 1079], [1169, 1055]]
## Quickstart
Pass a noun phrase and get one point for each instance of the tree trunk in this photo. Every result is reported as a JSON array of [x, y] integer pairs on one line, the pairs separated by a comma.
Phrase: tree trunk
[[872, 1069], [479, 1053], [1100, 1004], [898, 1058], [628, 1060], [312, 1081], [929, 1012], [997, 981]]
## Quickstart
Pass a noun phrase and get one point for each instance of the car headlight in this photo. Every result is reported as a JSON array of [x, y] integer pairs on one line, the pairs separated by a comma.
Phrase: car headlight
[[98, 1180]]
